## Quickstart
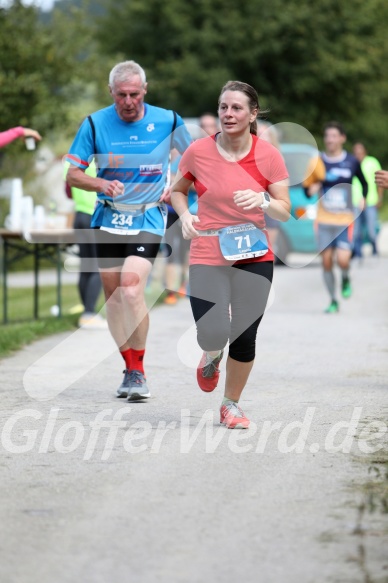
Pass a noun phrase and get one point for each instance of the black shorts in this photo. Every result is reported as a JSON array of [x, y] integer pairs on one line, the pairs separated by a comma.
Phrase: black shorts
[[112, 250]]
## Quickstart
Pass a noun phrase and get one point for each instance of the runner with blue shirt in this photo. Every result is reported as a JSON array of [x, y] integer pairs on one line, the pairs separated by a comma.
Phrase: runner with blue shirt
[[130, 142], [336, 213]]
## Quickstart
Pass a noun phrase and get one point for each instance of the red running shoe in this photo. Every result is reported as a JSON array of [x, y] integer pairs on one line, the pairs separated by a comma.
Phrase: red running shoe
[[208, 372], [233, 417]]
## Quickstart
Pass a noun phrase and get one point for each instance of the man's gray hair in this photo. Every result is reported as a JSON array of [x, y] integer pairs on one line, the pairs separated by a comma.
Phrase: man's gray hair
[[122, 71]]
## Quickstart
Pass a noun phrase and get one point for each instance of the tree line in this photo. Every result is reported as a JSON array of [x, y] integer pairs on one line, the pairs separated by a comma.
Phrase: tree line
[[310, 62]]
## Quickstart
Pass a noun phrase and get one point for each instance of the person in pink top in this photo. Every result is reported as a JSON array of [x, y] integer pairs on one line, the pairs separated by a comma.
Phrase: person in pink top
[[239, 178], [10, 135]]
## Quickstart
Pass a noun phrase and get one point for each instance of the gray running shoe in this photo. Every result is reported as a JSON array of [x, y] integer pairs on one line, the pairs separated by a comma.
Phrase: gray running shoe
[[137, 386], [122, 391]]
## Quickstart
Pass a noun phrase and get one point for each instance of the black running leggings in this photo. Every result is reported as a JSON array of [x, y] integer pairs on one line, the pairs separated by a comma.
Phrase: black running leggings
[[228, 303]]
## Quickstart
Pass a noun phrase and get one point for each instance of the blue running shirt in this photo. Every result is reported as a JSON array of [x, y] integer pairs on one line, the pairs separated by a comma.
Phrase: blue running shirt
[[336, 205], [135, 153]]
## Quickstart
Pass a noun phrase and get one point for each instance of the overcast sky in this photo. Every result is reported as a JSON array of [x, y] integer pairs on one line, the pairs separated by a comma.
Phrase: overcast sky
[[43, 4]]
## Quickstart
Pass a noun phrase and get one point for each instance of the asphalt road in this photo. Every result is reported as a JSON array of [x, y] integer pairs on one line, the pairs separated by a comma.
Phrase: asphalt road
[[97, 490]]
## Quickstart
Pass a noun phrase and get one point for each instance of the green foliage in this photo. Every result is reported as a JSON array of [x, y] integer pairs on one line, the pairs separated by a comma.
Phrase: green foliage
[[311, 62], [49, 75], [43, 67]]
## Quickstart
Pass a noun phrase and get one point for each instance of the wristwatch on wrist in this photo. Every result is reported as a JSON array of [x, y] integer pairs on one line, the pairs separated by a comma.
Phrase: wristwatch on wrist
[[266, 201]]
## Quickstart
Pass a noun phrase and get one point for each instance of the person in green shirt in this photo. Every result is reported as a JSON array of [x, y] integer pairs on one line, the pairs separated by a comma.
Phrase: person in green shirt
[[369, 216], [89, 283]]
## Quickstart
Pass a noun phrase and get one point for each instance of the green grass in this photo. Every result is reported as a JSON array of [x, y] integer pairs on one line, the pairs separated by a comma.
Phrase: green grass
[[14, 336], [20, 301], [22, 329]]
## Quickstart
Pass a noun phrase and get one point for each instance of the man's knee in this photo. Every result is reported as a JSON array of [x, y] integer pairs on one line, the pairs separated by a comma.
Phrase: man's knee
[[130, 280]]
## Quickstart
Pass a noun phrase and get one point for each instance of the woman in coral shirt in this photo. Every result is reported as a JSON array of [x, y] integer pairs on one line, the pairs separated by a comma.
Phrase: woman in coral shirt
[[238, 178]]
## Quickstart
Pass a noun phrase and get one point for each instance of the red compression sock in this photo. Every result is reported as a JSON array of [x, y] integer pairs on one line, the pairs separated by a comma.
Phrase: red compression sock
[[137, 357], [126, 354]]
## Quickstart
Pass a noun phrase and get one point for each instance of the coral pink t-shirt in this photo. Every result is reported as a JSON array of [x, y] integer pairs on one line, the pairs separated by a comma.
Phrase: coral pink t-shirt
[[215, 179]]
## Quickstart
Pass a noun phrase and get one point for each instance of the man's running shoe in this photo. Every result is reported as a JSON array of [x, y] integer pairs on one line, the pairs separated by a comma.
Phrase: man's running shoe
[[233, 417], [346, 288], [122, 391], [208, 372], [334, 307], [137, 386]]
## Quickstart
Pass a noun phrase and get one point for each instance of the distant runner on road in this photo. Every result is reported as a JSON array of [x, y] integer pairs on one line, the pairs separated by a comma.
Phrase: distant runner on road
[[335, 215]]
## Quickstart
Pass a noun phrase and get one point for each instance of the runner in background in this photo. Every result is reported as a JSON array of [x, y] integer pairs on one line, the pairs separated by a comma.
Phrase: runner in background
[[335, 213], [89, 281], [369, 216]]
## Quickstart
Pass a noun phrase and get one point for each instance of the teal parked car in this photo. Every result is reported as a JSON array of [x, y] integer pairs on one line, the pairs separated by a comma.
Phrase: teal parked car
[[297, 234]]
